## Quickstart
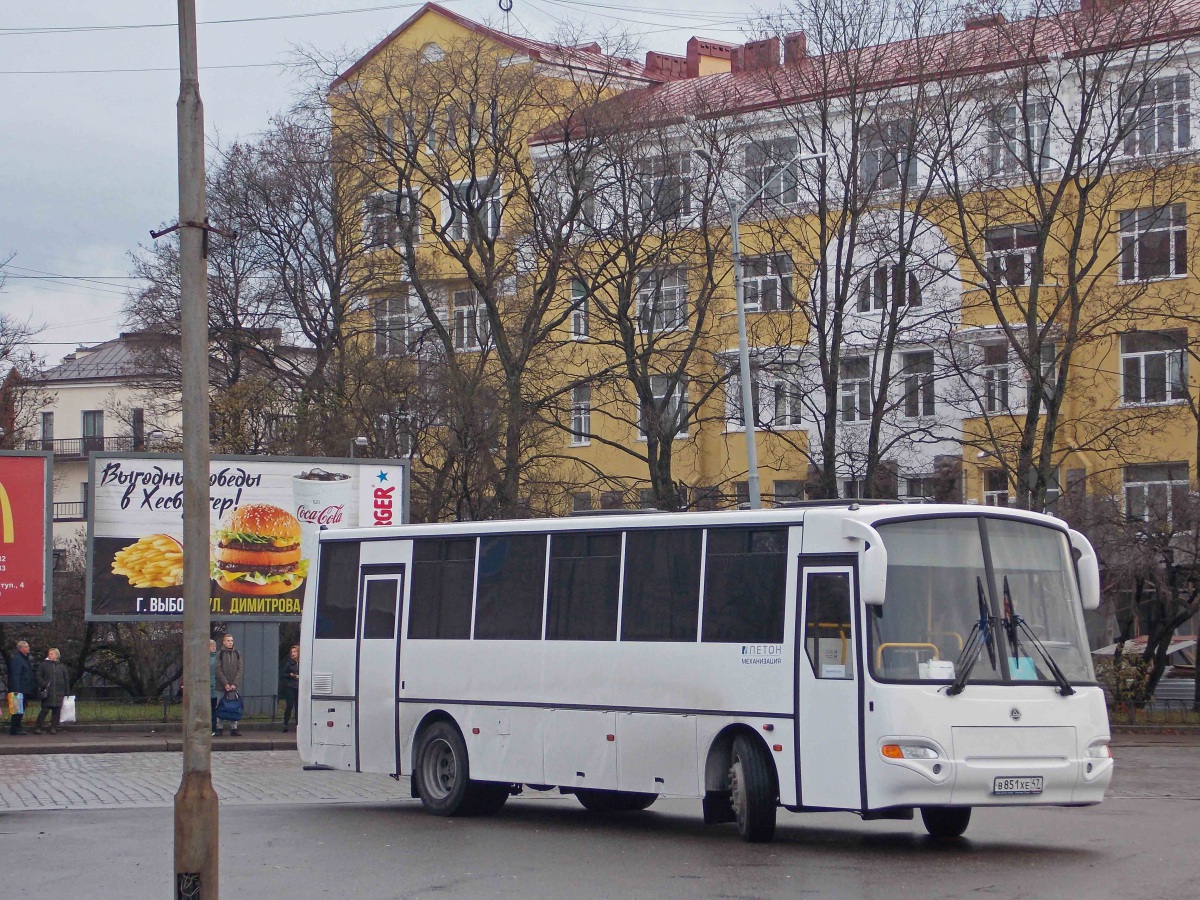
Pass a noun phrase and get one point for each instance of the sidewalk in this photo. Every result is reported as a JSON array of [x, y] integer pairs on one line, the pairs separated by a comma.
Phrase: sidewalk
[[138, 739]]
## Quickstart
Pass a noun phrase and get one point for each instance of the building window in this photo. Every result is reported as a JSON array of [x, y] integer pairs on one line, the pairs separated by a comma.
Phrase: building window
[[400, 325], [770, 173], [1048, 358], [432, 53], [612, 499], [137, 427], [387, 216], [733, 392], [1154, 242], [995, 488], [1157, 115], [920, 486], [854, 488], [1153, 366], [662, 300], [767, 283], [47, 431], [919, 397], [887, 157], [888, 284], [995, 377], [471, 207], [670, 407], [854, 386], [470, 320], [741, 494], [789, 403], [93, 429], [664, 191], [1156, 492], [579, 310], [1010, 253], [1019, 138], [581, 415], [581, 501], [788, 492]]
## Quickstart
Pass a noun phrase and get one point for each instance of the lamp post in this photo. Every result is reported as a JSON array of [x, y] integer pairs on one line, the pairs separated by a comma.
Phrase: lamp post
[[358, 443], [748, 411]]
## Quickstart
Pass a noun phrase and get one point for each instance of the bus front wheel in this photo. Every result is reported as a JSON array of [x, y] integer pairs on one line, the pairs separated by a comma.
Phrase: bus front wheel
[[752, 791], [443, 776], [614, 801], [946, 821]]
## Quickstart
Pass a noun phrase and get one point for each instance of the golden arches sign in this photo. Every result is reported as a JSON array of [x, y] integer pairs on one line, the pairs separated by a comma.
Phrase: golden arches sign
[[6, 518]]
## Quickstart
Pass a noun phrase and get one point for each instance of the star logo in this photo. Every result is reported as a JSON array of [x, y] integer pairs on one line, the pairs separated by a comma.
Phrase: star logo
[[382, 476]]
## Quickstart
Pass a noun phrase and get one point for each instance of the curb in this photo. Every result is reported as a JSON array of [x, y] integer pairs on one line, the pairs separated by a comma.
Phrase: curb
[[142, 744]]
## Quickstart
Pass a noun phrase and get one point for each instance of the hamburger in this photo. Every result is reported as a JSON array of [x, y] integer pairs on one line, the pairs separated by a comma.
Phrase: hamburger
[[258, 551]]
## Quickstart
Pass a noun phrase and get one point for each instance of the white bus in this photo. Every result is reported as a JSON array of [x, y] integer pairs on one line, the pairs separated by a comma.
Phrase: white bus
[[876, 659]]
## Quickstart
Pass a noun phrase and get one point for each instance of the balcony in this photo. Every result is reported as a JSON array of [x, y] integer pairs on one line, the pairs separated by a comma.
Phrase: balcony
[[70, 512], [79, 448]]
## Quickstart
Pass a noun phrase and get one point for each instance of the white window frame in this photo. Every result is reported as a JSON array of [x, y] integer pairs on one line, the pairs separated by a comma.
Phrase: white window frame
[[787, 403], [1142, 365], [888, 158], [678, 402], [457, 224], [733, 395], [1009, 253], [656, 177], [385, 213], [993, 495], [770, 173], [919, 386], [854, 390], [767, 283], [877, 289], [1168, 480], [664, 293], [1138, 227], [996, 374], [1158, 115], [581, 416], [1018, 139], [579, 311], [468, 315]]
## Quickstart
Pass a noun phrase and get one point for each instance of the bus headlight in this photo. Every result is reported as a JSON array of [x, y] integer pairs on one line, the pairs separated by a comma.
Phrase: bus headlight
[[908, 751]]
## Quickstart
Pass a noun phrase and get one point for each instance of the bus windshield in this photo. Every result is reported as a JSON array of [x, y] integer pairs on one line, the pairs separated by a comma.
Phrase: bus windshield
[[946, 574]]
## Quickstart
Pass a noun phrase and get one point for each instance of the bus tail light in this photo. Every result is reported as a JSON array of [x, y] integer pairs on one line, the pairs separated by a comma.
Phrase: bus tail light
[[908, 751], [1099, 751]]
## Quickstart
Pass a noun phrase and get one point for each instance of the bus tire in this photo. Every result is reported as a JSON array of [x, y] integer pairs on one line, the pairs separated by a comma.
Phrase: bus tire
[[614, 801], [752, 795], [442, 773], [946, 821]]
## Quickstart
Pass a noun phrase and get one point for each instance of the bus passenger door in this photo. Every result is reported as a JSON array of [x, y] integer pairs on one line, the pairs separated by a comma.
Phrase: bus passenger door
[[827, 719], [380, 598]]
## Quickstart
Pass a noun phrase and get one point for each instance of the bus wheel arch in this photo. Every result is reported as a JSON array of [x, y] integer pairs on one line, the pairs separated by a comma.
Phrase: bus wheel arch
[[718, 787], [441, 776]]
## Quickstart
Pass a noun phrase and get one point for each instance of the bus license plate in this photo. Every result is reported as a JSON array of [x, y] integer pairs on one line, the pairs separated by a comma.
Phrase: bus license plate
[[1009, 785]]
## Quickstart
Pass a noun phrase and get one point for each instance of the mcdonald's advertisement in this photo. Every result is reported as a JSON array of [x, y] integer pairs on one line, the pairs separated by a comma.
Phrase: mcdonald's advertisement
[[265, 514], [25, 534]]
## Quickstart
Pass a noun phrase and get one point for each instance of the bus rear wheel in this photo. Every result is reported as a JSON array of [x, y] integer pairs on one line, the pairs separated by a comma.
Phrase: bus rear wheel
[[614, 801], [752, 791], [946, 821], [443, 776]]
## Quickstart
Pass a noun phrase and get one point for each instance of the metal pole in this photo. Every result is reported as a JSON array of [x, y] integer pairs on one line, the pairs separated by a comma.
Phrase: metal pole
[[749, 413], [196, 806]]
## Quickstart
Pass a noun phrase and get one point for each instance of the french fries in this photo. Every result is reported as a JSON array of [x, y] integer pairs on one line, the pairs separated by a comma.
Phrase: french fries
[[155, 561]]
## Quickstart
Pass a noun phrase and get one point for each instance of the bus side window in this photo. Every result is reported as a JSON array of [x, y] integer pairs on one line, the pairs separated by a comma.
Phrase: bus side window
[[662, 585], [745, 574], [379, 618], [443, 580], [828, 636], [512, 575], [337, 591], [585, 582]]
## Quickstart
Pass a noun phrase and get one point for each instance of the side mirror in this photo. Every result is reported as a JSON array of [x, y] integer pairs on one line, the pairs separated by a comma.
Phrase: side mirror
[[1089, 571], [872, 560]]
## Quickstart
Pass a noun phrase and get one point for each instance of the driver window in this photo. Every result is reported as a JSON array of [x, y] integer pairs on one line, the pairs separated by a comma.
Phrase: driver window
[[828, 636]]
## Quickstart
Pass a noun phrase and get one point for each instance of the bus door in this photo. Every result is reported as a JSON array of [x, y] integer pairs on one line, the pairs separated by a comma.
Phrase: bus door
[[827, 714], [380, 597]]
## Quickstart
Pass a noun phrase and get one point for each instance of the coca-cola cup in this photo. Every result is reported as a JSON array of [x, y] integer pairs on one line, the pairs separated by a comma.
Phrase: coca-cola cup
[[321, 499]]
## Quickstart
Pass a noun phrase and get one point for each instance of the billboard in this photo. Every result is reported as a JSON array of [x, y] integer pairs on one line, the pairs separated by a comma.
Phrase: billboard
[[265, 514], [26, 536]]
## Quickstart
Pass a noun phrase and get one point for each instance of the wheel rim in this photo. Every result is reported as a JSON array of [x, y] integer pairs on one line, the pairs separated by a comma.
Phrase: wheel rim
[[737, 795], [439, 769]]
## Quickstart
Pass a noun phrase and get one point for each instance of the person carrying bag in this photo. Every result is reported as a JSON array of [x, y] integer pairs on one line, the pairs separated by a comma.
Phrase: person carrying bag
[[229, 681], [53, 686]]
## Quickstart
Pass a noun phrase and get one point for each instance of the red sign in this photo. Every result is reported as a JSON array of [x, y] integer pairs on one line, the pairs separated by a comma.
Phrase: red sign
[[23, 537]]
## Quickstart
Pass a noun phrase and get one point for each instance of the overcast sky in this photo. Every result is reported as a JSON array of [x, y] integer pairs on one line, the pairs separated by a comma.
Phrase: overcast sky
[[87, 158]]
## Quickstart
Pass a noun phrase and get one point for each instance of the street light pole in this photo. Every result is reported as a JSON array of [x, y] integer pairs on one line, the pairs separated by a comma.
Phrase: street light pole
[[749, 412], [196, 805]]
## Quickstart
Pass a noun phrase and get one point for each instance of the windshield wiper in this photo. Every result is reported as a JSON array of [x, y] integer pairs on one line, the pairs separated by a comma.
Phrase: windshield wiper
[[1013, 625], [980, 637]]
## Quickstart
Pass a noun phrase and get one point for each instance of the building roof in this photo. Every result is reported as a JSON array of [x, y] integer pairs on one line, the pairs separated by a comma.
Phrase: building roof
[[762, 81], [122, 357], [587, 57]]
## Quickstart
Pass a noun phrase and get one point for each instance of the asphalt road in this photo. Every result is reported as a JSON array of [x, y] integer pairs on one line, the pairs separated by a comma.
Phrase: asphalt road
[[325, 843]]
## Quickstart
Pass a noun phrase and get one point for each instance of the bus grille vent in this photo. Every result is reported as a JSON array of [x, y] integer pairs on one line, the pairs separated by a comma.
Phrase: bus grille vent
[[322, 683]]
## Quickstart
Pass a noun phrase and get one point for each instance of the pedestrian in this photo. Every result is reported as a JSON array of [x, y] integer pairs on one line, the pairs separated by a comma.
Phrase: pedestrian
[[229, 677], [21, 681], [289, 685], [53, 684], [3, 684], [212, 681]]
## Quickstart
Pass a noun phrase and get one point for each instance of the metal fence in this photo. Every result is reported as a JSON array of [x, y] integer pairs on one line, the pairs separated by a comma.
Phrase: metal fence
[[1154, 712]]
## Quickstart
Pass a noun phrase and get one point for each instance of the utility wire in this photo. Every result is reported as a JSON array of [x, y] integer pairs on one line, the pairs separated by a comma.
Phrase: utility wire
[[148, 69]]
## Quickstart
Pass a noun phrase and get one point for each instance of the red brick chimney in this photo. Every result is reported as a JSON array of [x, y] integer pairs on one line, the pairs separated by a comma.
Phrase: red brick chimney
[[795, 48], [704, 57], [756, 55], [666, 66], [991, 20]]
